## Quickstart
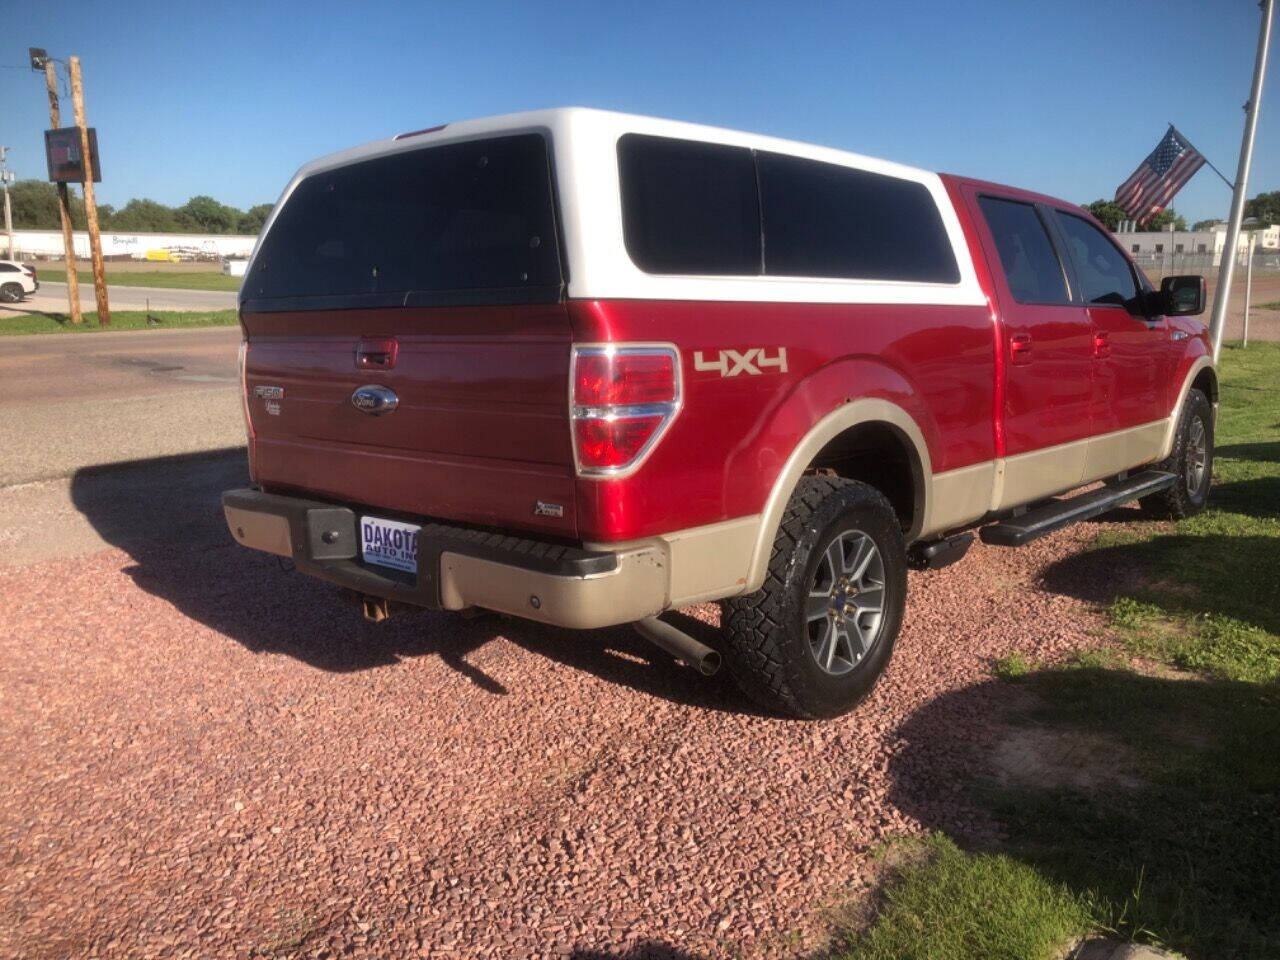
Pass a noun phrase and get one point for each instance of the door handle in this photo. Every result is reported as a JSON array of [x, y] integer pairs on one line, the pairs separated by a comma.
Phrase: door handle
[[1101, 343], [1020, 348], [377, 353]]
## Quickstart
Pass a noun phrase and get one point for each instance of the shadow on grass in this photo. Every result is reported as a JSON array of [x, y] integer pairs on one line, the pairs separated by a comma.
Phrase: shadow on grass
[[1159, 799], [1260, 452], [1235, 576], [1256, 497], [166, 513]]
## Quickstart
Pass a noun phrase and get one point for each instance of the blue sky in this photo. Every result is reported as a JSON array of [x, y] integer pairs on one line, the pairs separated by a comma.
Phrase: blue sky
[[1067, 98]]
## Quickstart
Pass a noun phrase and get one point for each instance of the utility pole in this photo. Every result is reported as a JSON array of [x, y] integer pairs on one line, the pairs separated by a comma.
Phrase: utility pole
[[6, 177], [64, 203], [1226, 272], [90, 206]]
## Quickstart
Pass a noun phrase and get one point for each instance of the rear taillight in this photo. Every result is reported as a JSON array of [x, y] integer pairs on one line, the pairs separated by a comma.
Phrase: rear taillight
[[623, 398], [241, 362]]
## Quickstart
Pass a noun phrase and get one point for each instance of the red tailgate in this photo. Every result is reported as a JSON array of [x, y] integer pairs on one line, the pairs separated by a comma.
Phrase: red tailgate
[[480, 432]]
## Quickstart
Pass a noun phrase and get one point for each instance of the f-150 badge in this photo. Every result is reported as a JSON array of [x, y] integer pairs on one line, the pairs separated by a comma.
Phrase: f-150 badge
[[752, 361]]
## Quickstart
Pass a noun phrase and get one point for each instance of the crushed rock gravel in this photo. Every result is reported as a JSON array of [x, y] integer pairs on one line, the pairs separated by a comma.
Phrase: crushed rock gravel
[[203, 754]]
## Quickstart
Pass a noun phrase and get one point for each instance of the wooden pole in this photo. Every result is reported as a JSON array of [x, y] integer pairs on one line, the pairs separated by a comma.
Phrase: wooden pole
[[90, 206], [64, 204]]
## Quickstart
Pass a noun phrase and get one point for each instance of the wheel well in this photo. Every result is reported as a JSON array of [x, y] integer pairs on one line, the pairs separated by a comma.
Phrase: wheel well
[[1206, 382], [880, 455]]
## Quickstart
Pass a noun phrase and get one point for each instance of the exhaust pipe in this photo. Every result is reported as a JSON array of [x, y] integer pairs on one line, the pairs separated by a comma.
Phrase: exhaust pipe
[[375, 609], [679, 644]]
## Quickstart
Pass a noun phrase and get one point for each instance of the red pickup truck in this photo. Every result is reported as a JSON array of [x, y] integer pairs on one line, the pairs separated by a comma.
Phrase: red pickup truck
[[585, 368]]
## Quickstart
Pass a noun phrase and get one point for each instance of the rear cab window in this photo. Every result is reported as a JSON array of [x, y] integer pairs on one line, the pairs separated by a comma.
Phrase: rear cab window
[[695, 208], [469, 222], [826, 220], [689, 207]]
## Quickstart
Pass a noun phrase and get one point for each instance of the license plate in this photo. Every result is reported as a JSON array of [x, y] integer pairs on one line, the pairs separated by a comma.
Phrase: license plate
[[389, 543]]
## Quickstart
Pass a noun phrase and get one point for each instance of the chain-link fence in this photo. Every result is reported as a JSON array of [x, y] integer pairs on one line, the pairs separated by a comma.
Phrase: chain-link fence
[[1169, 263]]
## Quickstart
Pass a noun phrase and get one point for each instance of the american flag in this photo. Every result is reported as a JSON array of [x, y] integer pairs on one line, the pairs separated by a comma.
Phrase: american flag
[[1149, 190]]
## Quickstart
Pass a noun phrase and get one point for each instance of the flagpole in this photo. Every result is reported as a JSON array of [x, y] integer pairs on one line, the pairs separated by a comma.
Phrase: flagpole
[[1183, 137], [1226, 270]]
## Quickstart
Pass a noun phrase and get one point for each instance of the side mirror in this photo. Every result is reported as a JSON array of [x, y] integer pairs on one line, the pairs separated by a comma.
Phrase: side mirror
[[1181, 296]]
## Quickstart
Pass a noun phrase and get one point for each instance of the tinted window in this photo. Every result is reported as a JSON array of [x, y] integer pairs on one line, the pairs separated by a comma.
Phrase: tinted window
[[467, 216], [1104, 272], [824, 220], [8, 268], [1030, 264], [689, 207]]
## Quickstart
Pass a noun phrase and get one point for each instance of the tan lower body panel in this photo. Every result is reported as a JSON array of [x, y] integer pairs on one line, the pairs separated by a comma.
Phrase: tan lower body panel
[[959, 497], [1124, 449], [1054, 470], [704, 563], [636, 589], [259, 531]]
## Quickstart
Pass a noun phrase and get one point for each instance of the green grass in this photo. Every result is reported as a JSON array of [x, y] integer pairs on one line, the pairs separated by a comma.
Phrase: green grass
[[1183, 852], [940, 907], [1011, 666], [1269, 305], [1209, 597], [1177, 840], [120, 320], [167, 279]]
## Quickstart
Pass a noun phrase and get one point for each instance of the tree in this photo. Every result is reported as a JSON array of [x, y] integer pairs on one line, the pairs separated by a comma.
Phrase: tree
[[1109, 212], [1204, 224], [207, 215], [35, 206], [251, 220], [1165, 217], [1265, 206]]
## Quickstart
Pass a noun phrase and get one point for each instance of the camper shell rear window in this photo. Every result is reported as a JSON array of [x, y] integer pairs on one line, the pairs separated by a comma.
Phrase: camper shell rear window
[[463, 223]]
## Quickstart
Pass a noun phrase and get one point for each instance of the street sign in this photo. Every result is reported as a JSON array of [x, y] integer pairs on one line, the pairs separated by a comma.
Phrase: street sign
[[64, 156]]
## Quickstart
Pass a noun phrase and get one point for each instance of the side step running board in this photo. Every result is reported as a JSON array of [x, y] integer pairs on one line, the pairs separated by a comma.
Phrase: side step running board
[[1057, 514]]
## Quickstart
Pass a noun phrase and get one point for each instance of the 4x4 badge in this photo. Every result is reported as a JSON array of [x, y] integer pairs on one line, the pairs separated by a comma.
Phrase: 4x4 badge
[[752, 361]]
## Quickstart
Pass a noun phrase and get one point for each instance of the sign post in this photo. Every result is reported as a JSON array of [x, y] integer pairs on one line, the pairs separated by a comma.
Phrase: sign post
[[91, 172], [64, 201]]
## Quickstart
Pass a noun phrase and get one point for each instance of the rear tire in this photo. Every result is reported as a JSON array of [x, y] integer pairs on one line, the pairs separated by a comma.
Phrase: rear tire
[[11, 292], [815, 638], [1191, 462]]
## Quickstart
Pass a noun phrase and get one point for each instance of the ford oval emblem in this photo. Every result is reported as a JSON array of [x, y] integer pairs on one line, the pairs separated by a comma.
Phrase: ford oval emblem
[[375, 399]]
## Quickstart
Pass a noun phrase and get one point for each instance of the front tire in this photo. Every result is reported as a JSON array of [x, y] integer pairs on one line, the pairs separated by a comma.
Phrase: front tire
[[815, 638], [1191, 462]]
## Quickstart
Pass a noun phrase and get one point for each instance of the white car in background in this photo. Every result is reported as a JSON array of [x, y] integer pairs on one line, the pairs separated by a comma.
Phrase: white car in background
[[16, 280]]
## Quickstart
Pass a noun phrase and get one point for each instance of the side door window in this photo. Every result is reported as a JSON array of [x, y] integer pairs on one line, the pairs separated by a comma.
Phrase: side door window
[[1105, 277], [1030, 264]]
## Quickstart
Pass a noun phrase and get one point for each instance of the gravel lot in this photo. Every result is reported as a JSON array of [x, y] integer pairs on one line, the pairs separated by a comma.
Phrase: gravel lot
[[202, 754]]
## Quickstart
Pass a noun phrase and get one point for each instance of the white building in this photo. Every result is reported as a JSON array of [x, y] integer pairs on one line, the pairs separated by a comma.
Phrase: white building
[[1155, 245], [47, 244]]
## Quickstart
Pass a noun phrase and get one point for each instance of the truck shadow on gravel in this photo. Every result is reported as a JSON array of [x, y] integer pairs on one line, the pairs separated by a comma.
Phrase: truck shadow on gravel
[[1158, 796], [167, 515]]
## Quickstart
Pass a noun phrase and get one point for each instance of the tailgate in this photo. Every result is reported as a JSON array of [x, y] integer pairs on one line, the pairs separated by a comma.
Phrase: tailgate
[[480, 432]]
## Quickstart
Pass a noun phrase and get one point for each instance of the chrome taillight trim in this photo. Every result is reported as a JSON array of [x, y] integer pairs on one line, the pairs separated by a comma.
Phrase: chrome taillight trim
[[667, 411]]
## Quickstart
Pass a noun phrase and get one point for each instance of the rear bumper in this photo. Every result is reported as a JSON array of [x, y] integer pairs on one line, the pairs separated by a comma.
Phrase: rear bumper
[[459, 567]]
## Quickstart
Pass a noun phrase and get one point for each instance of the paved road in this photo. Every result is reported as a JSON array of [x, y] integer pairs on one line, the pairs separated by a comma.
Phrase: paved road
[[70, 401], [52, 298]]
